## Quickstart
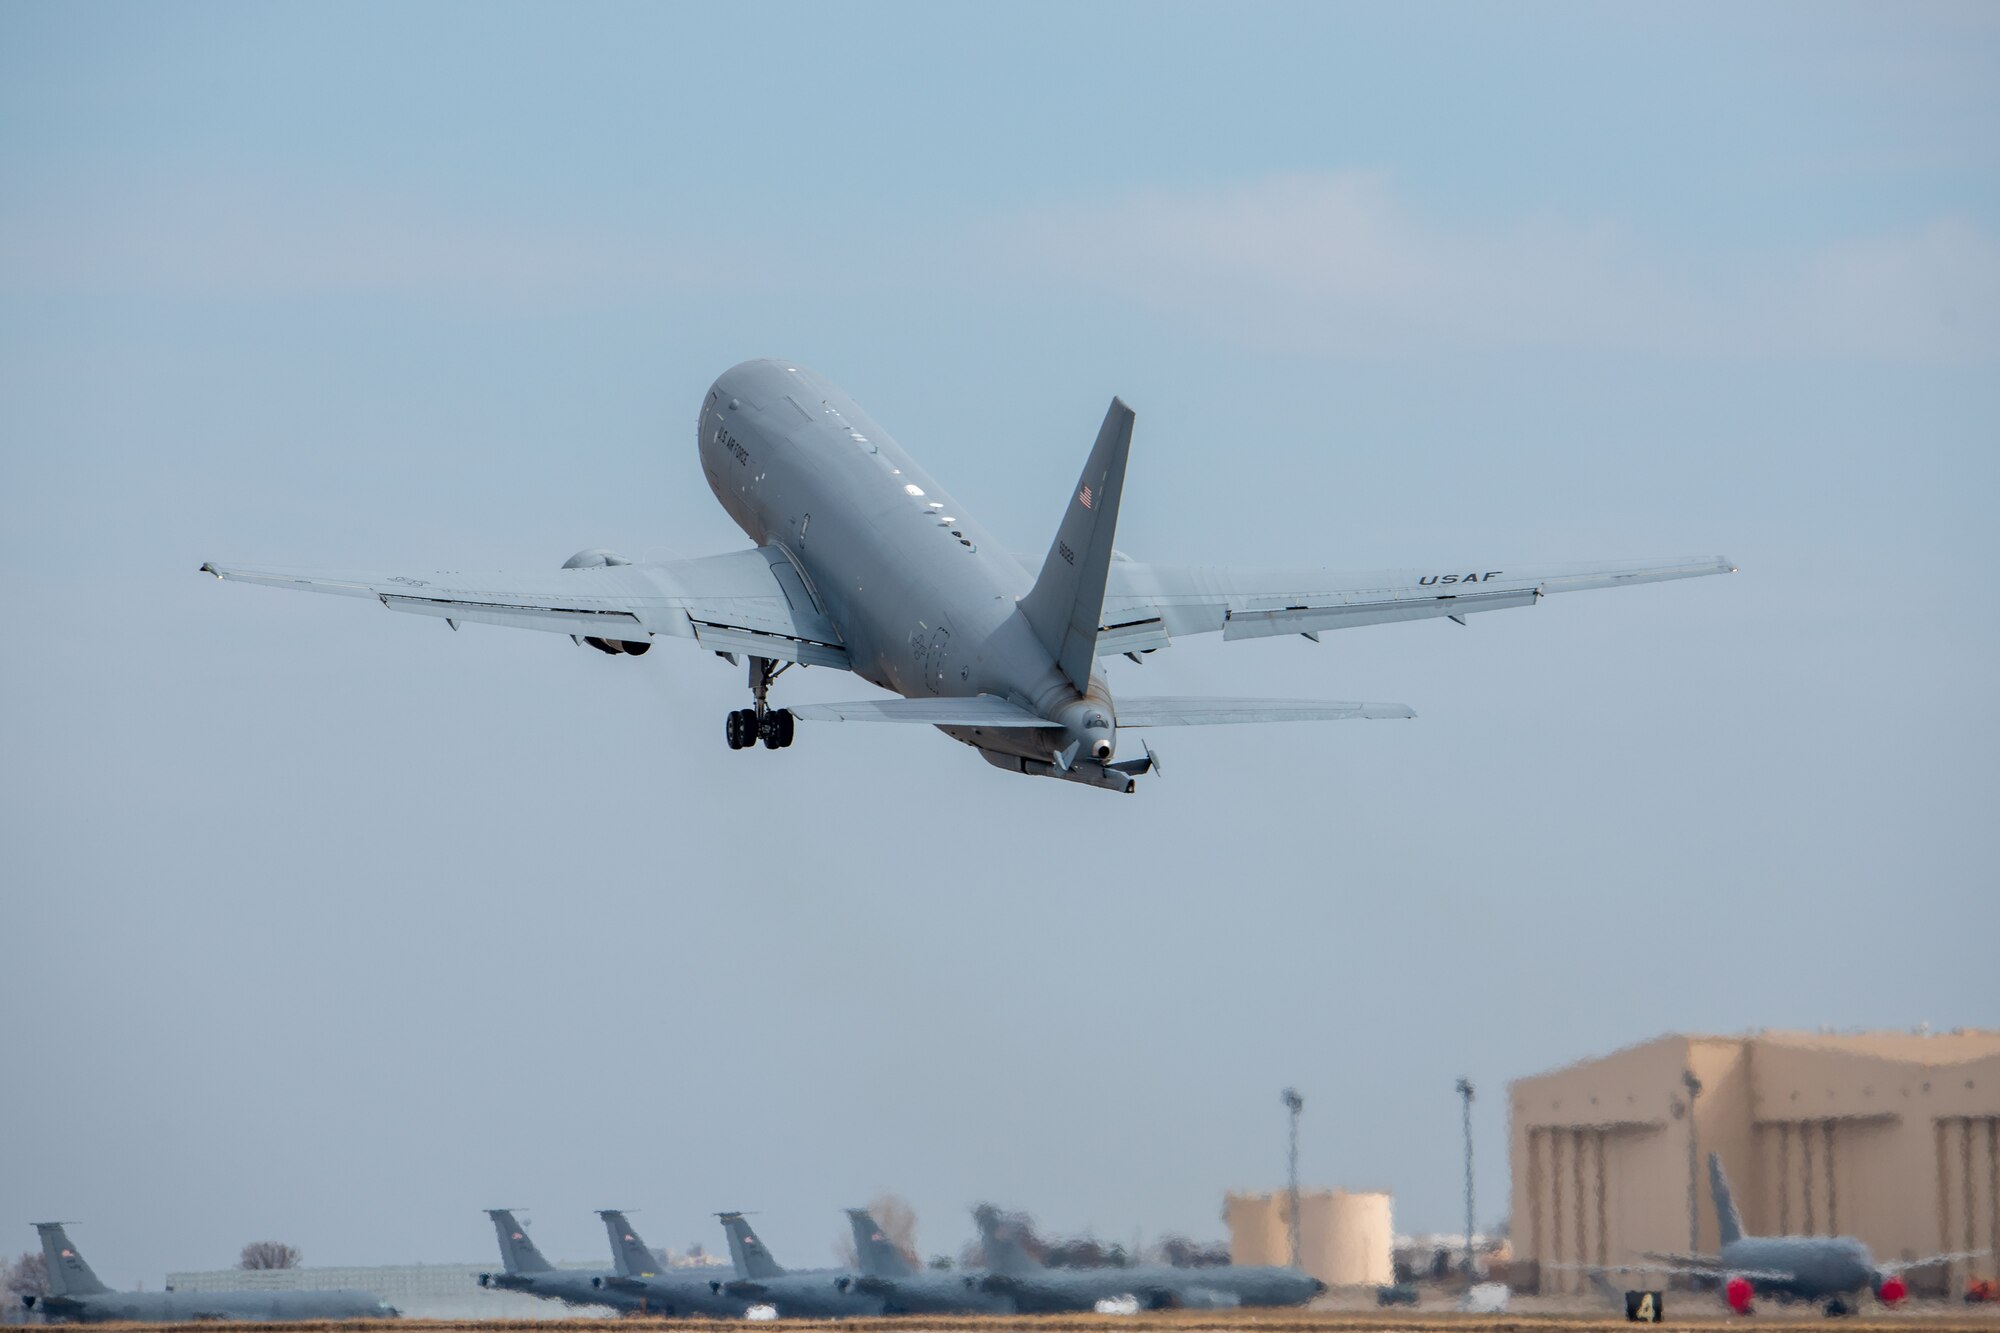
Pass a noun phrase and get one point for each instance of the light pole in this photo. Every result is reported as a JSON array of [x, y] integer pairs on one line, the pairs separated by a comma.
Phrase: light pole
[[1693, 1086], [1465, 1091], [1295, 1104]]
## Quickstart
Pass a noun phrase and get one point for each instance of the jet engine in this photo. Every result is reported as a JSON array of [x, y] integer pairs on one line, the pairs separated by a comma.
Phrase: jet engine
[[599, 558], [616, 647], [1738, 1291]]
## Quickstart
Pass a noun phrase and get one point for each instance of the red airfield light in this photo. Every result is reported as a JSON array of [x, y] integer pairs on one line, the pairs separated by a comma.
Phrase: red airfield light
[[1739, 1292], [1894, 1289]]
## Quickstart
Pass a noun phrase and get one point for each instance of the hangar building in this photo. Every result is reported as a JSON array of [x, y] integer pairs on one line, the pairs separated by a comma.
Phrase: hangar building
[[1344, 1237], [1893, 1137]]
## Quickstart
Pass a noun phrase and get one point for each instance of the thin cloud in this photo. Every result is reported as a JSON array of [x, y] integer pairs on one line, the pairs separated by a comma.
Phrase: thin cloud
[[236, 242], [1338, 263]]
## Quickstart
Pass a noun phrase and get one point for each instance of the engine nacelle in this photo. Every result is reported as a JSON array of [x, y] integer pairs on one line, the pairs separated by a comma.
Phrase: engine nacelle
[[595, 558], [619, 647]]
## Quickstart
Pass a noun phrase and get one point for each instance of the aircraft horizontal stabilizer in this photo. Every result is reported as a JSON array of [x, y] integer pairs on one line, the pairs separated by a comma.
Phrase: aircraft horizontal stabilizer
[[981, 710], [1199, 712]]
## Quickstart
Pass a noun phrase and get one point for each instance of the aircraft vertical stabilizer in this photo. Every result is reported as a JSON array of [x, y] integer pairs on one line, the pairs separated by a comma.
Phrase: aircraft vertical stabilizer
[[629, 1255], [1728, 1222], [752, 1259], [1067, 601], [69, 1275], [517, 1253], [876, 1254]]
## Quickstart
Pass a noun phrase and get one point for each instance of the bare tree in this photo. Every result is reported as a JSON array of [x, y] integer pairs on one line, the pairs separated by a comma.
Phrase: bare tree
[[27, 1275], [892, 1212], [1184, 1253], [898, 1221], [268, 1254]]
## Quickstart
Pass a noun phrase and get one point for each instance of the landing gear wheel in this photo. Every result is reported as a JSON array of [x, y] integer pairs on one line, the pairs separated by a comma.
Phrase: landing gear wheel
[[741, 729], [783, 718], [729, 732]]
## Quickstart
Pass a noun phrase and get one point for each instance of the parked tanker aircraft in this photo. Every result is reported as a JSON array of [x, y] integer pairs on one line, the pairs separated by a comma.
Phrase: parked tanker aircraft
[[76, 1294], [639, 1279], [906, 1289], [810, 1294], [1831, 1270], [1041, 1290], [524, 1269], [863, 561]]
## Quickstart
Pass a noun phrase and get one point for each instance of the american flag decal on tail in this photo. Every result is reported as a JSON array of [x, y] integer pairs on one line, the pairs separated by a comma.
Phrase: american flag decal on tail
[[1083, 496]]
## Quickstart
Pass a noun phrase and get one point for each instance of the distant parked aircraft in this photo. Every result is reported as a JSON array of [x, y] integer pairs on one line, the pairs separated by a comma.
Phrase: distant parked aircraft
[[76, 1294], [1037, 1289], [524, 1269], [815, 1294], [864, 562], [906, 1289], [661, 1292]]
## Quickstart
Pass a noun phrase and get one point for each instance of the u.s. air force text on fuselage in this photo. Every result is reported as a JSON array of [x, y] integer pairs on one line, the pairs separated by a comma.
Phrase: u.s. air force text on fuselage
[[864, 561]]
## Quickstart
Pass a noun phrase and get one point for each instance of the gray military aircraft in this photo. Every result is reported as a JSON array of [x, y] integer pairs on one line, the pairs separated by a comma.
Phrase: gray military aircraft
[[814, 1294], [524, 1269], [1832, 1270], [865, 562], [657, 1291], [75, 1294], [1040, 1290], [905, 1289]]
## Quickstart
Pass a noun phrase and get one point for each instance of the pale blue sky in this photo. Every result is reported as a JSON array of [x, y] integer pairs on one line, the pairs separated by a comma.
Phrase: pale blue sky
[[328, 925]]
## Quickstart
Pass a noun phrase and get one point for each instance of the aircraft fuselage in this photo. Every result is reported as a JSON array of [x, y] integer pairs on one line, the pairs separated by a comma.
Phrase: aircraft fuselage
[[1819, 1266], [923, 596]]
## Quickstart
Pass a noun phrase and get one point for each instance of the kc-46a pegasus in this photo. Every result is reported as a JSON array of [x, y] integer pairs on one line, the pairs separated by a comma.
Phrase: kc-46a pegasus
[[863, 561]]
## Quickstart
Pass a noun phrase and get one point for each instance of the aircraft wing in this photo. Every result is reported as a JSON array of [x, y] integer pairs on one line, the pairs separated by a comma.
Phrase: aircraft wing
[[1146, 606], [618, 1282], [1956, 1256], [1703, 1266], [1692, 1263], [1195, 711], [981, 710], [745, 602]]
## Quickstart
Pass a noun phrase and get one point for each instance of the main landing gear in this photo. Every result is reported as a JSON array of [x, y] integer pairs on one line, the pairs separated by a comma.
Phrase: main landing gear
[[773, 726], [744, 728]]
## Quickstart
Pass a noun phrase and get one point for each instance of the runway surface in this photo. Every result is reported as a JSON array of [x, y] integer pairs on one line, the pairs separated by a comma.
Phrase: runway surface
[[1958, 1318]]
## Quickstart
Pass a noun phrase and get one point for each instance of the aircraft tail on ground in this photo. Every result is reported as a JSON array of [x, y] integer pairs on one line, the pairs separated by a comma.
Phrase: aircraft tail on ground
[[1067, 601], [629, 1255], [1728, 1222], [517, 1253], [877, 1255], [752, 1259], [69, 1275], [1001, 1239]]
